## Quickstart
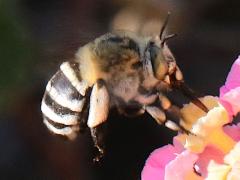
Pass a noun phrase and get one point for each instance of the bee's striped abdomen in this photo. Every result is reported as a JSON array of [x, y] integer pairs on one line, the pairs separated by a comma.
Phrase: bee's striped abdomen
[[64, 101]]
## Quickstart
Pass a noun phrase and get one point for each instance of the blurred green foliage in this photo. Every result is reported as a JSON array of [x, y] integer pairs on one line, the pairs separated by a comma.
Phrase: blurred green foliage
[[16, 53]]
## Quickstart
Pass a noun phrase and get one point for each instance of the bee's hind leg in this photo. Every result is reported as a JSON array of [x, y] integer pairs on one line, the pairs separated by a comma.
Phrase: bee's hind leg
[[97, 134], [98, 113]]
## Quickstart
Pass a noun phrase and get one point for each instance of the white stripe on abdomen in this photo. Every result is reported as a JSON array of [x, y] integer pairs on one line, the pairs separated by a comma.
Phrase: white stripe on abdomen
[[65, 119]]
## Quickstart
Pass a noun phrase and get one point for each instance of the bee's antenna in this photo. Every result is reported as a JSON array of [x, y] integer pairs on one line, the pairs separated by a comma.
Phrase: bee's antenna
[[167, 38], [164, 26]]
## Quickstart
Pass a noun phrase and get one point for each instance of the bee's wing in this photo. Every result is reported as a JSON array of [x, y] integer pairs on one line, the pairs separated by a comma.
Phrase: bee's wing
[[65, 102]]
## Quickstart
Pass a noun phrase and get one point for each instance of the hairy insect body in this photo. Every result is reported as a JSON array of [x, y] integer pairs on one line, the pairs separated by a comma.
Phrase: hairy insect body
[[118, 69], [129, 79]]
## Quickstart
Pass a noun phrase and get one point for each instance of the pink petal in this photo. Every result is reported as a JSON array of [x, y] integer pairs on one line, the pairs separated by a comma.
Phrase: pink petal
[[209, 153], [233, 131], [155, 165], [178, 145], [233, 79], [151, 173], [227, 106], [231, 100], [230, 92], [181, 166]]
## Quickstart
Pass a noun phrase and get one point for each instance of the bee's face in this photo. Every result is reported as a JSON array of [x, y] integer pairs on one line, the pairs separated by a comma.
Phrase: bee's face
[[163, 61]]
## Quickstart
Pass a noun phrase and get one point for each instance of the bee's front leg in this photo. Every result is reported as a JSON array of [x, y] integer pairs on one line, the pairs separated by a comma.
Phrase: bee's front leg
[[173, 114], [167, 114], [160, 117], [98, 113]]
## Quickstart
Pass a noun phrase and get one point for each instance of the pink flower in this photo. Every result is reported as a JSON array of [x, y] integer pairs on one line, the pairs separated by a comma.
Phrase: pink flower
[[182, 167], [158, 159], [209, 153], [230, 92], [233, 131], [214, 151]]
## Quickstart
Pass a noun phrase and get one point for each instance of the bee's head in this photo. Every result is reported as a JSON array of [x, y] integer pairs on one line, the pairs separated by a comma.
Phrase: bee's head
[[165, 68], [163, 62]]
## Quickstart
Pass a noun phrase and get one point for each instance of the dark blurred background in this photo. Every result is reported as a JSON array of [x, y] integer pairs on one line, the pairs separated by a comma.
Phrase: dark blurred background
[[36, 36]]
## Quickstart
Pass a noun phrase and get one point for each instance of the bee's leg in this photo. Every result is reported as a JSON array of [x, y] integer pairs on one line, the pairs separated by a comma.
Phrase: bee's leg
[[161, 117], [173, 115], [157, 114], [97, 134], [98, 113], [167, 114]]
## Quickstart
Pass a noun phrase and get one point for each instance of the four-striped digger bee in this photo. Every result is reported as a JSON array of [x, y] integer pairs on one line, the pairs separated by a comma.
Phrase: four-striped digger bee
[[119, 69]]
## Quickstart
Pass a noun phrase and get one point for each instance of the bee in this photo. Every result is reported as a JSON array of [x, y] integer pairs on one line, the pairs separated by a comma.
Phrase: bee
[[119, 69]]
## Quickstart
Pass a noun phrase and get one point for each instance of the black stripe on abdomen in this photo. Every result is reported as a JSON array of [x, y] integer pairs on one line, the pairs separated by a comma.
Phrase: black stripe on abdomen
[[58, 109], [56, 125], [64, 86]]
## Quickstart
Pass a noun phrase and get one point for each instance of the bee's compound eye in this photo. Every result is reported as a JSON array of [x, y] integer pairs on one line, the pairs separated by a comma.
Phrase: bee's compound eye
[[153, 50], [160, 66]]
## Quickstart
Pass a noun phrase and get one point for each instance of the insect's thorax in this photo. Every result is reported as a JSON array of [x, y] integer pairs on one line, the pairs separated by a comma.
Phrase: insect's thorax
[[122, 66], [128, 84]]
